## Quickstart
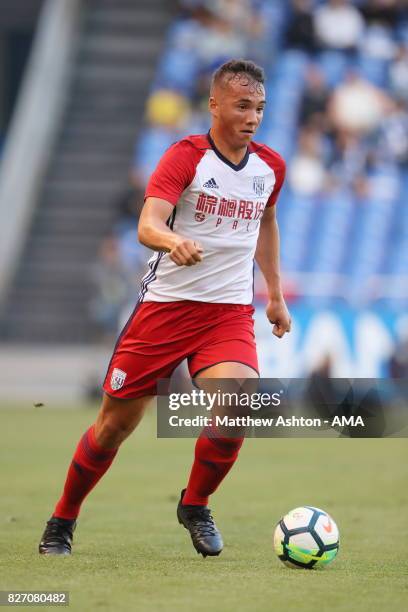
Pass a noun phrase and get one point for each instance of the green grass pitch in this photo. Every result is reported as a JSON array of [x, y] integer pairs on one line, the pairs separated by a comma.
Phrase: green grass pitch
[[131, 554]]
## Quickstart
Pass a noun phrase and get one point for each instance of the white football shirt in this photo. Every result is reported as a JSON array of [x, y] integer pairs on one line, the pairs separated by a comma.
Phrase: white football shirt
[[218, 204]]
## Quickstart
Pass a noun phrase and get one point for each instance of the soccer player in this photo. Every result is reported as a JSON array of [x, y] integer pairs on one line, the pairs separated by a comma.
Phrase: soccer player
[[209, 211]]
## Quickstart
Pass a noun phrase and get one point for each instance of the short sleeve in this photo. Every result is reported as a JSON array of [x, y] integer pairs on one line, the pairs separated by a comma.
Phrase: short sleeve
[[280, 171], [174, 173]]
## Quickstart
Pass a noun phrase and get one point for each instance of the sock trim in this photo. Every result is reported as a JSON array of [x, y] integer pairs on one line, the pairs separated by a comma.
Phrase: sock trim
[[93, 449]]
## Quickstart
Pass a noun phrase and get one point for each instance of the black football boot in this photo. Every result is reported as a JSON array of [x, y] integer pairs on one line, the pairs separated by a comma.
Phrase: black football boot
[[57, 537], [198, 521]]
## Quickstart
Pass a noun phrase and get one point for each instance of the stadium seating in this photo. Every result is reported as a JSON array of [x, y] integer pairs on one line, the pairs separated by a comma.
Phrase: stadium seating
[[340, 234]]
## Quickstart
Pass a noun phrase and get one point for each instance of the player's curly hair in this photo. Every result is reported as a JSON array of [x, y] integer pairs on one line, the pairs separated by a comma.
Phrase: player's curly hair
[[239, 67]]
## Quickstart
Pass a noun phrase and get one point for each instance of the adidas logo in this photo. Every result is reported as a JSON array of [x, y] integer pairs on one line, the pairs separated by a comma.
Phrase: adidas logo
[[212, 184]]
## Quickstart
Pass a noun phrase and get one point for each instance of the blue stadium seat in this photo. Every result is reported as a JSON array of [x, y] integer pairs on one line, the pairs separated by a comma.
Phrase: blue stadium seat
[[291, 65], [334, 65], [178, 70], [371, 249], [296, 226], [373, 69], [151, 146], [331, 243]]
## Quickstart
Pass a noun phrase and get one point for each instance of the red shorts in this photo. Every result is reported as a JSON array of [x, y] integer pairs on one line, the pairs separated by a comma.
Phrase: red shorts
[[160, 335]]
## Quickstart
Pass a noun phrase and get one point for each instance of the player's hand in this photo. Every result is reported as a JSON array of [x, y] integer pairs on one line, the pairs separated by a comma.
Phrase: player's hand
[[186, 252], [277, 313]]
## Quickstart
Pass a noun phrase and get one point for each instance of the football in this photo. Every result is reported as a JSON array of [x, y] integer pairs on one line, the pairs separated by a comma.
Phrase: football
[[307, 538]]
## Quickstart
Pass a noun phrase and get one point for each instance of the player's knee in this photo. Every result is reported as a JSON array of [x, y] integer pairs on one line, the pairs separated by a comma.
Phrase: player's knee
[[229, 446], [116, 420], [223, 447], [112, 432]]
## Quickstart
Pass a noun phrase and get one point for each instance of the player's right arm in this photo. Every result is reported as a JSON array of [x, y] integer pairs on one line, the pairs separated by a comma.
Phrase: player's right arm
[[154, 233], [174, 172]]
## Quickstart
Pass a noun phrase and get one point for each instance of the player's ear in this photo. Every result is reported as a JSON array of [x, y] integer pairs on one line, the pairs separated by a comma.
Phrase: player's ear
[[212, 106]]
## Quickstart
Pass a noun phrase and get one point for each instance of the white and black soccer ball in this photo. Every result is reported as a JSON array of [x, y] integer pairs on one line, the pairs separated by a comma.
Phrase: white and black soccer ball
[[307, 538]]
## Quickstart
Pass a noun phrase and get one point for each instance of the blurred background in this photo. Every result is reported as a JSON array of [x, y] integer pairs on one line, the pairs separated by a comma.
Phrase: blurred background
[[92, 92]]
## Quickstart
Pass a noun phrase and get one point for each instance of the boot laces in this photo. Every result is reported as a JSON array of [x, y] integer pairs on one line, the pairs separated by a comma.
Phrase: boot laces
[[61, 534], [203, 521]]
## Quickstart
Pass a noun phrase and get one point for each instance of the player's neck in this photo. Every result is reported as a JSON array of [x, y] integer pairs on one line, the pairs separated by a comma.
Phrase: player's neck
[[234, 155]]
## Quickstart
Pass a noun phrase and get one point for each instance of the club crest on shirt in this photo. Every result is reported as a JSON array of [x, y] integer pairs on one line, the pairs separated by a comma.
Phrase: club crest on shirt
[[258, 185], [117, 379], [199, 216]]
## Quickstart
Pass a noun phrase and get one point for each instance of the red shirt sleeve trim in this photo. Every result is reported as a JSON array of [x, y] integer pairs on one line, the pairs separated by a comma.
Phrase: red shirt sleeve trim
[[175, 172], [277, 164]]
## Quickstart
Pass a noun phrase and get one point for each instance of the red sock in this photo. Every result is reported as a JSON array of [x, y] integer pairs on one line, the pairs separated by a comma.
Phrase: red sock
[[88, 465], [214, 457]]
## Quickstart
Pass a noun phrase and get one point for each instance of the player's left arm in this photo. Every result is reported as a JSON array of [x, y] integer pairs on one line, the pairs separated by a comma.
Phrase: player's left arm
[[267, 258]]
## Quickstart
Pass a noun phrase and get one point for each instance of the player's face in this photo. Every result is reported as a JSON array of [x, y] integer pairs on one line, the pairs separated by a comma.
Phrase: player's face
[[238, 109]]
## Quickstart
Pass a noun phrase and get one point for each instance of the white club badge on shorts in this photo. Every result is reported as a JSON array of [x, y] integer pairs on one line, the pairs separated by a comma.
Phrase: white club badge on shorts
[[117, 379]]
